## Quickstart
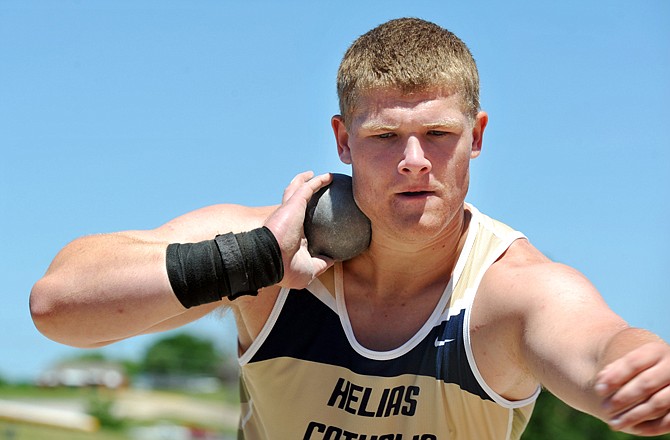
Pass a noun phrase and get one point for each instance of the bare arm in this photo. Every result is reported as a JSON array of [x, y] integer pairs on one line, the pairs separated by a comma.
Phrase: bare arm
[[104, 288], [586, 354]]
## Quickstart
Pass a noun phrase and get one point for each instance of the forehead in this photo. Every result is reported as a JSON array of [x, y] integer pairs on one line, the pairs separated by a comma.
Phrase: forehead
[[392, 108]]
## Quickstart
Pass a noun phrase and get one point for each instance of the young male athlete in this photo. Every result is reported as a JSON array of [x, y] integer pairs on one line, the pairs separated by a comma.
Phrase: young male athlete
[[445, 327]]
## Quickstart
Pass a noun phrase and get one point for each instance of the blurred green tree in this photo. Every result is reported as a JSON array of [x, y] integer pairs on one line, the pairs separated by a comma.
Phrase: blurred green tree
[[553, 419], [182, 354]]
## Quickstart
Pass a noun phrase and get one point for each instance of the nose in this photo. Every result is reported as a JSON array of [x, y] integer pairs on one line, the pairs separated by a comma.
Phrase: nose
[[414, 160]]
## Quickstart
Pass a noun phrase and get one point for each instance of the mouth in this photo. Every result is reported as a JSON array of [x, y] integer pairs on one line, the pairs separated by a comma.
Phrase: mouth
[[416, 194]]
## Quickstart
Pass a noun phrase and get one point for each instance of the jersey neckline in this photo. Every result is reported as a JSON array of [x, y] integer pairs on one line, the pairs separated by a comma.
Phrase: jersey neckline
[[432, 320]]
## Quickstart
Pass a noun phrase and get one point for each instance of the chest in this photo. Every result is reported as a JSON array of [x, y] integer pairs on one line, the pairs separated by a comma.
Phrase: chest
[[383, 326], [364, 391]]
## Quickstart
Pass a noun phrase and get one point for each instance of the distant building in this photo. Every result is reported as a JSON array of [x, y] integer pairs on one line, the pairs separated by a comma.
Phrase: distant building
[[84, 373], [202, 384]]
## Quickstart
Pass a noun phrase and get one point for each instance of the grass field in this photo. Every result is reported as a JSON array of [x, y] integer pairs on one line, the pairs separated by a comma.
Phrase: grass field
[[17, 431], [218, 412], [121, 411]]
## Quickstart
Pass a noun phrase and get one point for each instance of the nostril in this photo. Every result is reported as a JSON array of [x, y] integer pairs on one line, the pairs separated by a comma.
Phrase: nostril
[[411, 168]]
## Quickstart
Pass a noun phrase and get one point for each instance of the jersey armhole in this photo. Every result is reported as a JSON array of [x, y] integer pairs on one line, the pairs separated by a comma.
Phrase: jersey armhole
[[267, 328], [316, 288], [471, 293]]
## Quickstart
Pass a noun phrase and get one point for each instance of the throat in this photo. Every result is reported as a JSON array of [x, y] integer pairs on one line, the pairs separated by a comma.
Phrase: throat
[[404, 261]]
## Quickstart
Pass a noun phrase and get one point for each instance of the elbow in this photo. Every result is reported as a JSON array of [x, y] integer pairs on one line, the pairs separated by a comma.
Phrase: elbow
[[48, 310], [58, 318], [41, 304], [44, 307]]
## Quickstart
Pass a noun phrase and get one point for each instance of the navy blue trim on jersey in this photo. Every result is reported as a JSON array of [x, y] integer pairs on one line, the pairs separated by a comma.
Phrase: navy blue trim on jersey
[[307, 329]]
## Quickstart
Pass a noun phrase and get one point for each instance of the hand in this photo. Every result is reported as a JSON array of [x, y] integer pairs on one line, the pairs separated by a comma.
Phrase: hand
[[636, 390], [286, 223]]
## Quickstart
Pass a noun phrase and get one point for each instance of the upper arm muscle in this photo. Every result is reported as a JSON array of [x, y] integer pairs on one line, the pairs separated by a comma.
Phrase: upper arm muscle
[[544, 320]]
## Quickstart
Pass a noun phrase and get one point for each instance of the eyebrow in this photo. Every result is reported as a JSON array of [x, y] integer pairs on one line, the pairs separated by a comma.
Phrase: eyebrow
[[445, 123], [377, 125]]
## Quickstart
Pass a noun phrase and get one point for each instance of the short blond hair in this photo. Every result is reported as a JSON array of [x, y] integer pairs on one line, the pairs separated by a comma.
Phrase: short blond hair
[[410, 55]]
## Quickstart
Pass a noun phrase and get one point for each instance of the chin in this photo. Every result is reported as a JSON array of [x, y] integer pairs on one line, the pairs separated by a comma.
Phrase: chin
[[416, 231]]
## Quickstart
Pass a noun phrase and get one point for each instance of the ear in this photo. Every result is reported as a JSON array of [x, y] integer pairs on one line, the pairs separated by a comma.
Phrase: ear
[[481, 120], [342, 138]]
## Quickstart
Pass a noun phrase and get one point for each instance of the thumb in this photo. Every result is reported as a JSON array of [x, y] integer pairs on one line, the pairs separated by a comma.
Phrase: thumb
[[321, 264]]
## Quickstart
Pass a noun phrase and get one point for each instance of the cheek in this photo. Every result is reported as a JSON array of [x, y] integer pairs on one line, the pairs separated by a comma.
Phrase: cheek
[[365, 192], [459, 164]]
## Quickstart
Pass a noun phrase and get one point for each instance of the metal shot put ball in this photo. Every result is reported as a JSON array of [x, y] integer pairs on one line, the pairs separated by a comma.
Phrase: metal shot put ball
[[334, 226]]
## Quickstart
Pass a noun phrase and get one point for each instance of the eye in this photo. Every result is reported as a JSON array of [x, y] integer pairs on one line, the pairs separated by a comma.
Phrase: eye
[[384, 135], [438, 133]]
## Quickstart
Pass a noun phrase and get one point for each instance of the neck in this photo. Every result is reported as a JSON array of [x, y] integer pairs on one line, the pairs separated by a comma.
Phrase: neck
[[390, 265]]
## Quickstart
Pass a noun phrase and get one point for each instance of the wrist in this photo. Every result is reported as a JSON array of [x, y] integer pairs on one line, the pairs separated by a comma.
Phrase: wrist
[[229, 266]]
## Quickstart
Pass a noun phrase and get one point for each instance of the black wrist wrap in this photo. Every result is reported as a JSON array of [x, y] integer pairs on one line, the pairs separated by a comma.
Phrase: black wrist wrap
[[230, 266]]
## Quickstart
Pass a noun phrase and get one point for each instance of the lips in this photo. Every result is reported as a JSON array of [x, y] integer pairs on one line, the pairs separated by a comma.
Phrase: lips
[[415, 189], [415, 193]]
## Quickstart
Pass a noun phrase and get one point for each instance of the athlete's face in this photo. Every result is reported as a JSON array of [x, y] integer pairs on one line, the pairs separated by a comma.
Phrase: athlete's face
[[410, 159]]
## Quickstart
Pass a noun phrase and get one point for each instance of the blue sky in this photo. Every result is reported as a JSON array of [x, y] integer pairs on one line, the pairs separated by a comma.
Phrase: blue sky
[[122, 115]]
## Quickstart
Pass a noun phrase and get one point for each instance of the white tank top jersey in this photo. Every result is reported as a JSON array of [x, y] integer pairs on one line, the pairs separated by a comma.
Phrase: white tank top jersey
[[306, 376]]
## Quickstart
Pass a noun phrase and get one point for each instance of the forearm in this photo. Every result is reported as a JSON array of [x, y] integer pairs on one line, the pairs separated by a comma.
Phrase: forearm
[[104, 288], [100, 289]]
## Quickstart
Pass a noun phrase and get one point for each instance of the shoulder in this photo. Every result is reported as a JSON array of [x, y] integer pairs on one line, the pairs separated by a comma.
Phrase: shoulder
[[523, 273], [525, 284]]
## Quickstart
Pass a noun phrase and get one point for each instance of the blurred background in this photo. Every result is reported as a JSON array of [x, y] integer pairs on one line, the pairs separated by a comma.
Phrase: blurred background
[[120, 115]]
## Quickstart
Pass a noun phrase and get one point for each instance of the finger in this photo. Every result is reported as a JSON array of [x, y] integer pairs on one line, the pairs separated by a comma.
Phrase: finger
[[286, 223], [304, 269], [295, 184], [658, 426], [655, 407], [318, 182], [321, 263], [624, 369], [638, 389], [308, 188]]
